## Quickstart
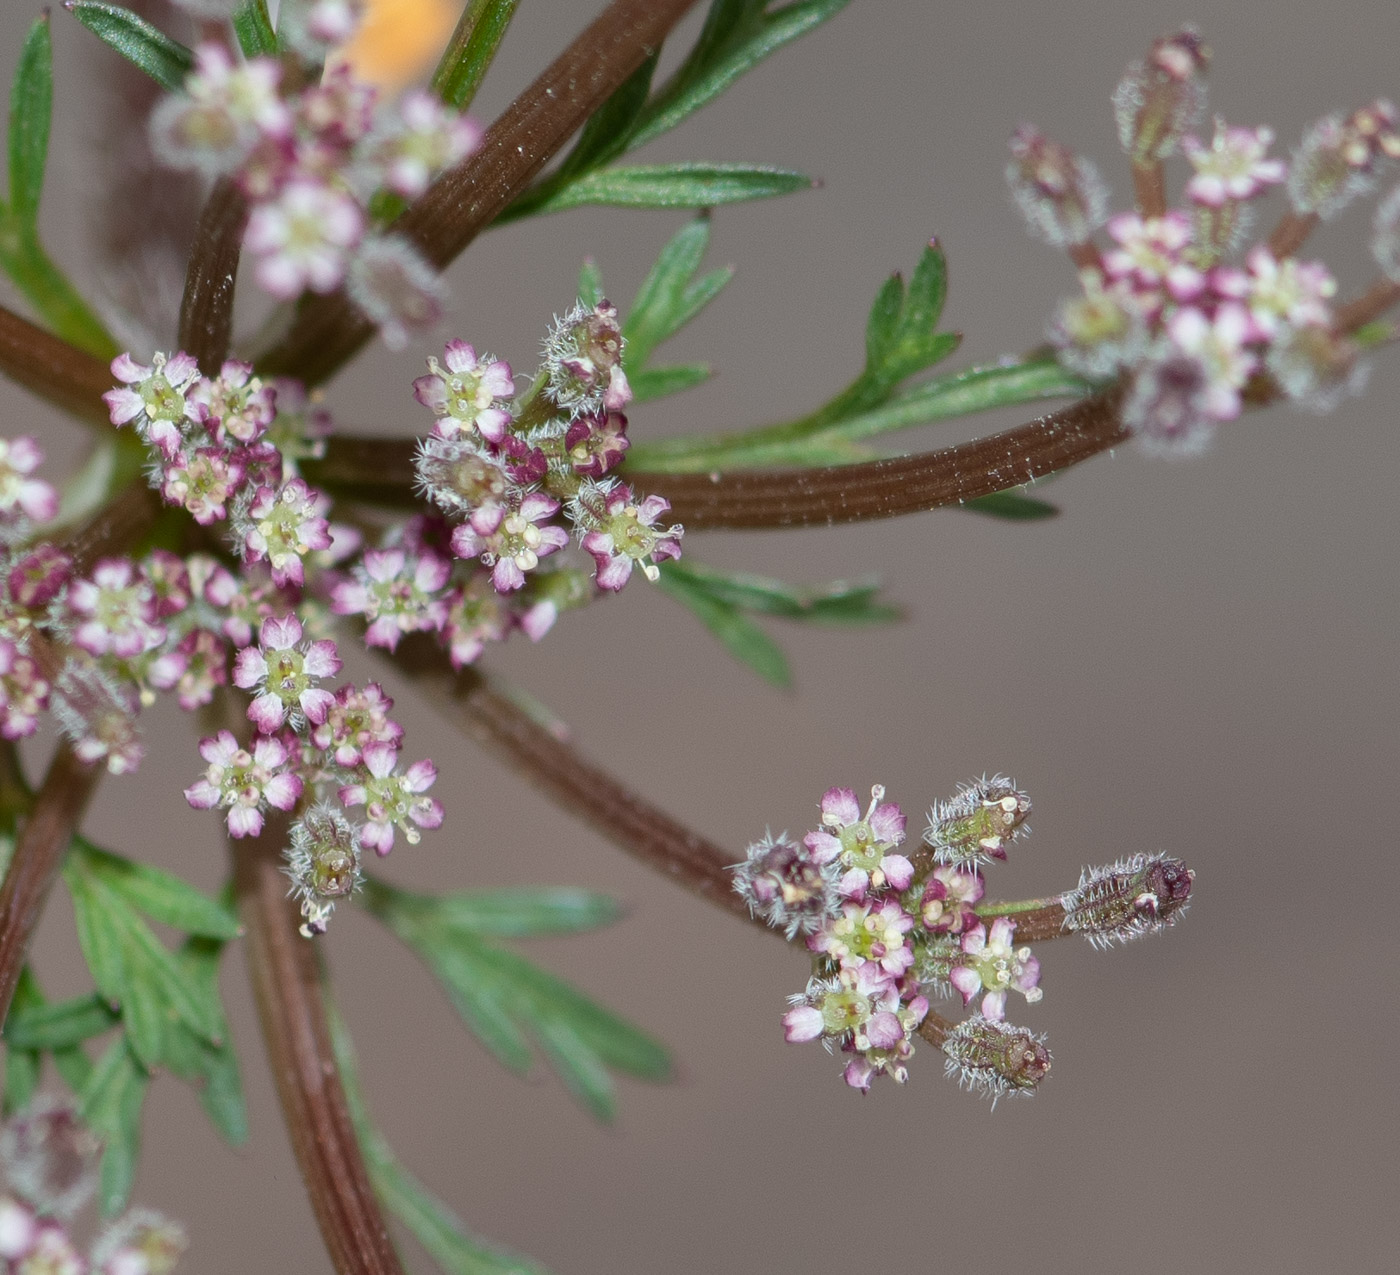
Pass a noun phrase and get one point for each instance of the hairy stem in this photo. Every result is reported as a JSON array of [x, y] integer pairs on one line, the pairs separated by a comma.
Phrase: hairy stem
[[59, 805], [465, 200], [1037, 920], [286, 978], [206, 311]]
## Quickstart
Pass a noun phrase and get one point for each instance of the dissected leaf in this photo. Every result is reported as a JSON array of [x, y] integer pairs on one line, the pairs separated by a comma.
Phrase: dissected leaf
[[841, 601], [31, 105], [57, 1024], [110, 1102], [471, 49], [675, 186], [739, 635], [659, 382], [166, 61], [1013, 506], [670, 295], [525, 911], [738, 34], [161, 895], [23, 1063], [253, 27], [504, 998]]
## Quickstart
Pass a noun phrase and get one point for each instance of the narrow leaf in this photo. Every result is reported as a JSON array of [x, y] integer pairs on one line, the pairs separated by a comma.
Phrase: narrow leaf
[[253, 27], [23, 1065], [213, 1067], [738, 35], [841, 601], [649, 317], [740, 636], [31, 104], [161, 895], [658, 382], [676, 186], [111, 1105], [880, 327], [525, 912], [1012, 506], [166, 61], [581, 1070], [590, 283], [99, 935], [73, 1066], [58, 1024], [471, 50]]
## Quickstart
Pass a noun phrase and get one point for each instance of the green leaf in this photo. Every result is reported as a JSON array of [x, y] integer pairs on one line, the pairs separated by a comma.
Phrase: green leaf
[[166, 61], [590, 283], [111, 1104], [73, 1066], [253, 27], [31, 104], [161, 895], [657, 382], [670, 296], [525, 911], [503, 997], [840, 602], [674, 186], [431, 1222], [471, 50], [739, 635], [99, 935], [58, 1024], [23, 1064], [1012, 506], [738, 34]]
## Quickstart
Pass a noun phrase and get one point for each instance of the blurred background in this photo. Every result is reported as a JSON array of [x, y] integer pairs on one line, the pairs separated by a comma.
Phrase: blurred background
[[1196, 658]]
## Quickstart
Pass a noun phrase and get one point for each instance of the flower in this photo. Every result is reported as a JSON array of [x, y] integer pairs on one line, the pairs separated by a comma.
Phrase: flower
[[392, 800], [862, 846], [20, 495], [783, 882], [1233, 166], [949, 895], [990, 965], [323, 864], [302, 238], [395, 286], [1060, 194], [284, 674], [354, 720], [419, 139], [511, 540], [244, 782], [583, 360], [115, 611], [868, 932], [621, 532], [396, 592], [155, 404], [472, 393], [283, 526]]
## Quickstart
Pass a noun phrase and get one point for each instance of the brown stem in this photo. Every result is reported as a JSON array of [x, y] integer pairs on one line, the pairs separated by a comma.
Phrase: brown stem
[[39, 851], [1150, 188], [465, 200], [381, 469], [57, 372], [1290, 233], [286, 979], [1033, 925], [206, 311], [1371, 304], [1086, 256], [115, 527]]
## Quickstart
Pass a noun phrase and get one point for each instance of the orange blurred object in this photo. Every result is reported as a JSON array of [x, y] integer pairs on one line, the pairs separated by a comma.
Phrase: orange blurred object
[[400, 40]]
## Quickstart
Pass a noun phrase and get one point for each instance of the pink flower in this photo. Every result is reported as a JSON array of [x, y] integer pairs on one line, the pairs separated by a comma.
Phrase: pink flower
[[863, 846], [418, 139], [392, 800], [395, 286], [155, 403], [512, 541], [244, 782], [283, 526], [397, 593], [284, 675], [989, 964], [1218, 344], [21, 495], [355, 720], [1233, 167], [470, 393], [949, 896], [303, 237], [1152, 255], [621, 532], [115, 611], [594, 444], [868, 932]]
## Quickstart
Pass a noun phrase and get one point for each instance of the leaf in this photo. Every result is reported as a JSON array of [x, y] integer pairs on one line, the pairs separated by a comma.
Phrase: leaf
[[23, 1064], [1012, 506], [657, 382], [670, 296], [214, 1068], [471, 49], [841, 601], [58, 1024], [590, 283], [526, 912], [161, 895], [432, 1223], [110, 1102], [166, 61], [738, 34], [502, 996], [739, 635], [31, 105], [98, 935], [675, 186], [253, 27]]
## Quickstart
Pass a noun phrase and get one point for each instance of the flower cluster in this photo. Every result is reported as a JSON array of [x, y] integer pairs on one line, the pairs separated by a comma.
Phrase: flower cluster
[[508, 477], [50, 1164], [1168, 303], [887, 930], [310, 152]]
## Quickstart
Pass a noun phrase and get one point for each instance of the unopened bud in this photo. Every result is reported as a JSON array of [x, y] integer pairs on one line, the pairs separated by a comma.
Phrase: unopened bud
[[583, 359], [1161, 97], [995, 1058], [1316, 368], [782, 882], [1338, 158], [323, 864], [978, 822], [1061, 195], [141, 1242], [1135, 896], [50, 1158]]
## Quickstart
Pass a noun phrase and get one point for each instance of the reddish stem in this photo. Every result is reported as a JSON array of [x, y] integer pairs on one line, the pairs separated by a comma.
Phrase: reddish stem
[[465, 200], [286, 976], [1371, 304], [1150, 188], [1291, 232], [206, 310], [57, 372]]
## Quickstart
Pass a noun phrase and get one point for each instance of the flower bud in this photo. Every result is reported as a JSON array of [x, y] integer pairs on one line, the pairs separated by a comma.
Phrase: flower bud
[[583, 360], [1315, 367], [140, 1242], [1338, 158], [50, 1158], [1061, 195], [1161, 97], [323, 864], [783, 883], [978, 822], [1135, 896], [995, 1058]]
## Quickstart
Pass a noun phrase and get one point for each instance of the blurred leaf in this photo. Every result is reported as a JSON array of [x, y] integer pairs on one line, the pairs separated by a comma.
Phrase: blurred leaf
[[161, 895], [23, 1064], [658, 382], [44, 1024], [471, 50], [1012, 506], [523, 912], [675, 186], [253, 27], [431, 1222], [590, 283], [840, 602], [739, 635], [738, 34], [31, 104], [111, 1104], [503, 997], [166, 61]]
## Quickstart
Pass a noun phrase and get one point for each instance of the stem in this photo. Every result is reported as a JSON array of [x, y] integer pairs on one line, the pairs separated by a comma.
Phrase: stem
[[206, 310], [1290, 233], [1150, 188], [465, 200], [381, 470], [59, 373], [286, 979], [62, 798], [1037, 920], [1371, 304]]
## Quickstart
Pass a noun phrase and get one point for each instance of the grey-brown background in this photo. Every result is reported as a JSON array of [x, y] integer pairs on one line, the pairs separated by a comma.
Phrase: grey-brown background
[[1195, 658]]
